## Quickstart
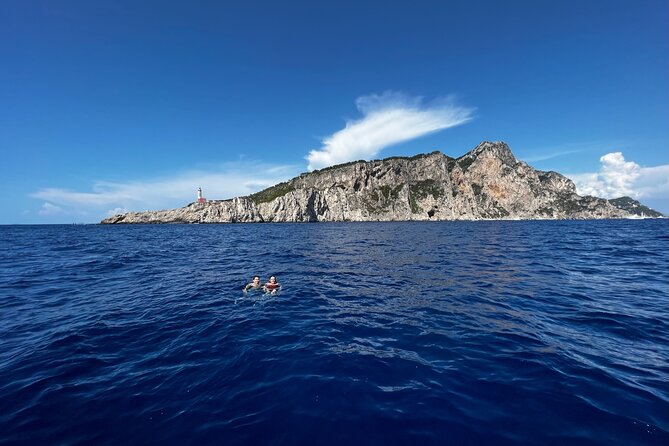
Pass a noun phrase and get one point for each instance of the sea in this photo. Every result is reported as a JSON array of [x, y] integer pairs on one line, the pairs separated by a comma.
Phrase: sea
[[403, 333]]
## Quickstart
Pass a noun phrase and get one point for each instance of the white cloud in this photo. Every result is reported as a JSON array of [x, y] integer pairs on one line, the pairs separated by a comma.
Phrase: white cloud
[[618, 177], [545, 153], [230, 180], [654, 182], [48, 209], [388, 119]]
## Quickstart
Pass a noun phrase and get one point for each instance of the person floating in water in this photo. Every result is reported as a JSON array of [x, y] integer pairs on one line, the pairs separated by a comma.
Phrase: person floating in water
[[272, 286], [254, 285]]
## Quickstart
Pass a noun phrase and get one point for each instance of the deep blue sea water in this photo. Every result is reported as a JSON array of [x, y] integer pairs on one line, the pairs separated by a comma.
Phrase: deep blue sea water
[[546, 332]]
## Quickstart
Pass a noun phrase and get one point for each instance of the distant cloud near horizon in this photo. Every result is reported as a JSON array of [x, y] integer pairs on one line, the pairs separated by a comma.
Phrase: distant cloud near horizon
[[389, 118], [618, 177], [109, 198], [49, 209]]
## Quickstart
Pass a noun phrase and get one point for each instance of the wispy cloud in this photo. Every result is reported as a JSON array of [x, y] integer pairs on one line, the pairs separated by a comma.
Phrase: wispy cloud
[[548, 156], [49, 209], [107, 198], [388, 118], [538, 154], [618, 177]]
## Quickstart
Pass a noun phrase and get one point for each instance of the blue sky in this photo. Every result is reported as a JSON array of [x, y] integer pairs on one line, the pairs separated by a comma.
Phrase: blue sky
[[133, 105]]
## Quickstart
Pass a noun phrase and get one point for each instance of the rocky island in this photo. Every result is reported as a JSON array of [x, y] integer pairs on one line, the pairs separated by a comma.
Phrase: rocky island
[[486, 183]]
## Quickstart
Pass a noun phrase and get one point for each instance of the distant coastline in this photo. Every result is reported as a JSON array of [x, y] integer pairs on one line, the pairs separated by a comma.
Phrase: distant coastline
[[487, 183]]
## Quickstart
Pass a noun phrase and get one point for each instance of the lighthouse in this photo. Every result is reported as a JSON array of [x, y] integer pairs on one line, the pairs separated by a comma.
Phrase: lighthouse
[[200, 198]]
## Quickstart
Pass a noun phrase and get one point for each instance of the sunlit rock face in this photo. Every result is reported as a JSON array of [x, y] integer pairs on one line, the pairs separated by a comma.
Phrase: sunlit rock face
[[486, 183]]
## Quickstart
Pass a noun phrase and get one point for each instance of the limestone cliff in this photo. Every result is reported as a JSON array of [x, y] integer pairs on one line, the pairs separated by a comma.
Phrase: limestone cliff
[[486, 183]]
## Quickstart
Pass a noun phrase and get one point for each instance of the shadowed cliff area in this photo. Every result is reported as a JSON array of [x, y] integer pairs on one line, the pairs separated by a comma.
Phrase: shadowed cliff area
[[486, 183]]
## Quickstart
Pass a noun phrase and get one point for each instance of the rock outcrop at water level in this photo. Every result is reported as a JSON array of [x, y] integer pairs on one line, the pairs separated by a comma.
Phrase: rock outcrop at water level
[[486, 183]]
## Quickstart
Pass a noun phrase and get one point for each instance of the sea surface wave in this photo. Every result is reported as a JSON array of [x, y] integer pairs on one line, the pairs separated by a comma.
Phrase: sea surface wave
[[544, 332]]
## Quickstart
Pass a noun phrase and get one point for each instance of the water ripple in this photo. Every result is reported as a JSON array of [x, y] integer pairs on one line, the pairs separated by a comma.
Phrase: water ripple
[[387, 333]]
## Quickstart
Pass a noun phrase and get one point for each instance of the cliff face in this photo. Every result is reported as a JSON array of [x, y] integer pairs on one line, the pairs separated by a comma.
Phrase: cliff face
[[486, 183], [634, 208]]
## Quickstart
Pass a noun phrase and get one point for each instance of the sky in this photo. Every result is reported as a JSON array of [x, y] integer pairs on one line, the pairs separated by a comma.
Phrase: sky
[[114, 106]]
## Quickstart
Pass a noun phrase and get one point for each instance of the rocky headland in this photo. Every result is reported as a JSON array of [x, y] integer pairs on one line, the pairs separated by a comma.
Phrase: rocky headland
[[486, 183]]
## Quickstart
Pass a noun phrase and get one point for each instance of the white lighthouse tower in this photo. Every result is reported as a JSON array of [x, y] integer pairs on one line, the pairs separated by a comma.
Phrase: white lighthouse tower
[[200, 198]]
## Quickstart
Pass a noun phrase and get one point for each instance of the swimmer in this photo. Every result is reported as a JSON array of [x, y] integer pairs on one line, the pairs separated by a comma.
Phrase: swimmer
[[254, 285], [272, 286]]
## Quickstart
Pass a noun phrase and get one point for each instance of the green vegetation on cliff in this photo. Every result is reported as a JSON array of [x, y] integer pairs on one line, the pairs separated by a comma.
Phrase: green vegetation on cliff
[[271, 193], [634, 207], [420, 190]]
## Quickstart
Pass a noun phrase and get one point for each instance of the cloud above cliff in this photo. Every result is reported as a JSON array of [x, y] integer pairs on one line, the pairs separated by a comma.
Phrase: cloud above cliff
[[106, 198], [618, 177], [389, 118]]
